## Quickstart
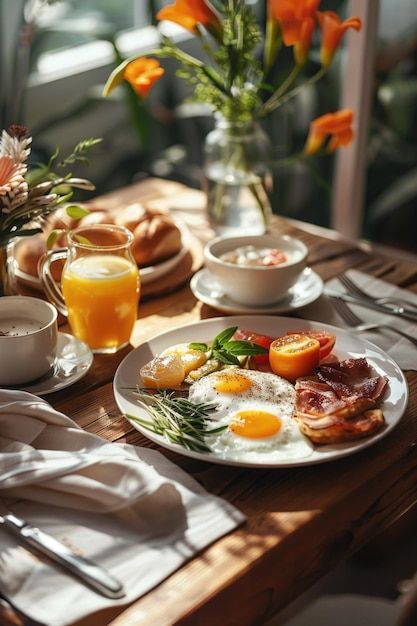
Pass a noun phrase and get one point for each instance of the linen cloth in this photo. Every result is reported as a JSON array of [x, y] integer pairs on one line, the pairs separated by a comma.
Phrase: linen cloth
[[400, 349], [128, 509]]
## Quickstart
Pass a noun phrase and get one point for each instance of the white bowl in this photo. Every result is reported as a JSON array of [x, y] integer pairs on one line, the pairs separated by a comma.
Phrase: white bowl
[[256, 285], [28, 339]]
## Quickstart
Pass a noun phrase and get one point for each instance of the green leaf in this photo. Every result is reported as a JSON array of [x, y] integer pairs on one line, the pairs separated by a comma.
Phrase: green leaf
[[244, 348], [224, 337], [53, 236], [78, 153], [201, 347], [27, 232], [226, 357], [76, 212], [52, 158], [83, 240]]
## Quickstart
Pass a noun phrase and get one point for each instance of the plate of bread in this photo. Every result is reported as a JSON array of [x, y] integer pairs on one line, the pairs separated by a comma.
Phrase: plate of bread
[[159, 242], [249, 415]]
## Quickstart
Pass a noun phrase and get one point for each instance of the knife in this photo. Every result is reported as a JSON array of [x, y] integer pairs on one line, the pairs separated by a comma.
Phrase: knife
[[84, 569], [407, 314]]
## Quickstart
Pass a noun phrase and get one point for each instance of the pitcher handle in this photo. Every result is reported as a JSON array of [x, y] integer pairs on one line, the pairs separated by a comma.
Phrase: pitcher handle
[[53, 292]]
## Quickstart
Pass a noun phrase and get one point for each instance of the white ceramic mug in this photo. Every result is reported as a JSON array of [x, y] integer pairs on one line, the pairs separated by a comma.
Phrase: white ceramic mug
[[28, 339]]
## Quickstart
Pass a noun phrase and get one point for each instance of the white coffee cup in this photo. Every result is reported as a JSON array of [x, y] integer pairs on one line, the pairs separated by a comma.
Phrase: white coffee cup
[[28, 339]]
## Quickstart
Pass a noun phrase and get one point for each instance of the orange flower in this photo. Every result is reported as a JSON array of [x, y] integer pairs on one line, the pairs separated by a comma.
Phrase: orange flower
[[142, 73], [189, 14], [292, 14], [296, 18], [302, 47], [338, 125], [333, 29]]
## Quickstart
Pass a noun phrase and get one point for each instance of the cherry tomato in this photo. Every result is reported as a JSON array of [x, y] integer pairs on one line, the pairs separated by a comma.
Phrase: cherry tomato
[[293, 356], [325, 339], [262, 340]]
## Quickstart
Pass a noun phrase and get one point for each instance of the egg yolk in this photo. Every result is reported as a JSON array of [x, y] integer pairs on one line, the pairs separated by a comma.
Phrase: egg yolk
[[232, 383], [255, 424]]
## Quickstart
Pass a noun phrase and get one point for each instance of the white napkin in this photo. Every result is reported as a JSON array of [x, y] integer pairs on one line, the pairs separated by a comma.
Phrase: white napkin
[[128, 509], [401, 350]]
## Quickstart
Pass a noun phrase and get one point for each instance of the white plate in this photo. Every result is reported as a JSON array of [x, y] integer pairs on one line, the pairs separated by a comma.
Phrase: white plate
[[306, 290], [74, 359], [347, 345]]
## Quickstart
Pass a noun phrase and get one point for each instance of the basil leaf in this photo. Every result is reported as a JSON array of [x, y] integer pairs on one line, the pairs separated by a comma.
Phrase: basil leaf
[[226, 357], [244, 348], [224, 337], [201, 347]]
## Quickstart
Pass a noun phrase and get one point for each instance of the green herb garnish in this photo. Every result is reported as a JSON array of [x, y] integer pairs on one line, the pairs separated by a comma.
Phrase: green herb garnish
[[226, 350], [179, 420]]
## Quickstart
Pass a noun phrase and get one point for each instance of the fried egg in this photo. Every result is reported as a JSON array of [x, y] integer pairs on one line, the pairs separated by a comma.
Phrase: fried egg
[[256, 409]]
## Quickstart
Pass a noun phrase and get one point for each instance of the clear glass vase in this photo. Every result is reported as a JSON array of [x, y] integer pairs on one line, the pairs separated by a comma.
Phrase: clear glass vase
[[237, 178]]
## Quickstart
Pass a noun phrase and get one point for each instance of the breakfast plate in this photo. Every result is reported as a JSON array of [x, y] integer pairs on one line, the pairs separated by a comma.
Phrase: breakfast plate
[[347, 346], [74, 359], [306, 290]]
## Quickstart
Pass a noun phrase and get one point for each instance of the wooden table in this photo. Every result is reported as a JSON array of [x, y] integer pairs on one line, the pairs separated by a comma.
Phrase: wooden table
[[301, 522]]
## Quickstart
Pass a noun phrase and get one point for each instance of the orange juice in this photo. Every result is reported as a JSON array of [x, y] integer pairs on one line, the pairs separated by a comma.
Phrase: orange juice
[[101, 293]]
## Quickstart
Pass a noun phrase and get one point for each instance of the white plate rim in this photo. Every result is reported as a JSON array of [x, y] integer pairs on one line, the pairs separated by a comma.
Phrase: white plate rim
[[54, 383], [260, 323], [227, 305]]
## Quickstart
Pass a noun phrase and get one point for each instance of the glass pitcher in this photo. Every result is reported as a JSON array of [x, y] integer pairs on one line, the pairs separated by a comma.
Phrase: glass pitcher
[[100, 285]]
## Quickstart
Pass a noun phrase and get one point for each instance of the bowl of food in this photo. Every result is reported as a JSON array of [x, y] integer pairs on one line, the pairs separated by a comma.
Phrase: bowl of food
[[256, 270]]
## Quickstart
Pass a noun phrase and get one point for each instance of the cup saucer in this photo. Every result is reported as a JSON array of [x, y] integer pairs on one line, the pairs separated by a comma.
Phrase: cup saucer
[[307, 289], [74, 359]]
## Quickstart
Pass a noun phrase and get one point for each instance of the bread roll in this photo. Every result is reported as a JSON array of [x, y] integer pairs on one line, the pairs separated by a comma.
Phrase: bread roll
[[155, 236], [29, 251], [155, 240], [131, 216]]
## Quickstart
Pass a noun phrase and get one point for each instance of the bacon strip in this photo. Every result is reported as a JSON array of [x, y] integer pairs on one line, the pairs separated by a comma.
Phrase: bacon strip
[[334, 405], [352, 379]]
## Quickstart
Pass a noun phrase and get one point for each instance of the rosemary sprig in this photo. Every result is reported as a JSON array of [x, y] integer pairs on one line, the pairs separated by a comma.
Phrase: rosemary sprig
[[178, 419], [226, 350]]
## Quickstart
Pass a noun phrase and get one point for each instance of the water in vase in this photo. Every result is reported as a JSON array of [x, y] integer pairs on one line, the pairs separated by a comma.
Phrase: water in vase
[[236, 205]]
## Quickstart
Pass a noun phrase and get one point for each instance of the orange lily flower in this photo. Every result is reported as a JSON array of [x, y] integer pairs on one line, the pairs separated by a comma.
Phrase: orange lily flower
[[296, 18], [302, 47], [291, 14], [337, 125], [189, 14], [333, 29], [142, 73]]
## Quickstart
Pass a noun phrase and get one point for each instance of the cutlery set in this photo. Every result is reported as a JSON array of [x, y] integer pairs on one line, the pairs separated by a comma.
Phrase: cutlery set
[[389, 305]]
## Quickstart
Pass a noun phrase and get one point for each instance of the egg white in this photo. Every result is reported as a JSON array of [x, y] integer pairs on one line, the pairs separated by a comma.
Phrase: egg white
[[264, 387], [268, 393]]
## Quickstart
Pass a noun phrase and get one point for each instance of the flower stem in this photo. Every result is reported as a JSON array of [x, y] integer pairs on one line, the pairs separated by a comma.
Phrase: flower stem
[[279, 97]]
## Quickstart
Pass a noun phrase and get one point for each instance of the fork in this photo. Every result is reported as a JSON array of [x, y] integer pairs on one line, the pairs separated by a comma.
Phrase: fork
[[357, 324], [399, 304]]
